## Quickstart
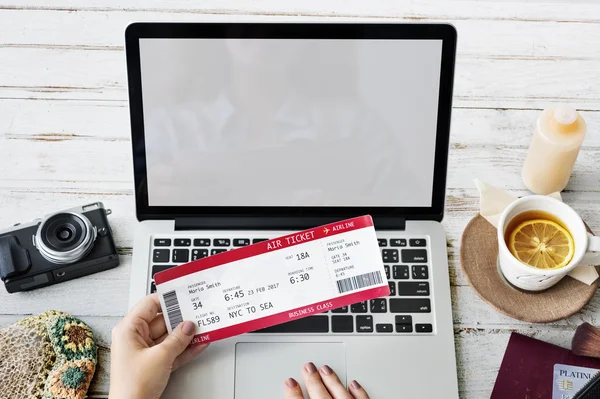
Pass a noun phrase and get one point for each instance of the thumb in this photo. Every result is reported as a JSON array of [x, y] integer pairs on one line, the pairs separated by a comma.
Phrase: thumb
[[179, 339]]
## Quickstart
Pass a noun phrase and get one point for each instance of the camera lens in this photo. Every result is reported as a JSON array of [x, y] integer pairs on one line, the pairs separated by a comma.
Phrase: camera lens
[[65, 237], [64, 233]]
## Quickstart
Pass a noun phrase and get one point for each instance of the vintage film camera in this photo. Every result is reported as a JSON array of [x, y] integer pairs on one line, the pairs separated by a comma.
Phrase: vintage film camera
[[59, 247]]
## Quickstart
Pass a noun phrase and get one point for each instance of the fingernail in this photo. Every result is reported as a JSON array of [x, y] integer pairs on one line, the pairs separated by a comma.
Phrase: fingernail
[[290, 382], [188, 328], [310, 367], [354, 384], [326, 370]]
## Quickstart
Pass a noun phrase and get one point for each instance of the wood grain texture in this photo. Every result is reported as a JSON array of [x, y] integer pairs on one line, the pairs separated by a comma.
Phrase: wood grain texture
[[585, 11], [64, 132], [480, 82]]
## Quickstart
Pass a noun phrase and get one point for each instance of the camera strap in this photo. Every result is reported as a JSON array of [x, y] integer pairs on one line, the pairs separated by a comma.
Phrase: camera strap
[[14, 259]]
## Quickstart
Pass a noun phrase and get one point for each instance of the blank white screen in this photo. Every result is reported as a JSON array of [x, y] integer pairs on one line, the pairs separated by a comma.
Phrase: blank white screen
[[279, 122]]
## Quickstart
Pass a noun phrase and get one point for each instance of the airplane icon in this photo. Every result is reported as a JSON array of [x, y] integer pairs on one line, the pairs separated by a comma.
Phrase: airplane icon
[[326, 230]]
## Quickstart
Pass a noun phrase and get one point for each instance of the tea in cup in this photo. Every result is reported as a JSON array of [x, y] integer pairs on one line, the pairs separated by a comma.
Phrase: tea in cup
[[540, 241]]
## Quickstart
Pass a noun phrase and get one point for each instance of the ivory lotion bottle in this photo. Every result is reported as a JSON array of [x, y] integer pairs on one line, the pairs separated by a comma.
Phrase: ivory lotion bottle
[[557, 138]]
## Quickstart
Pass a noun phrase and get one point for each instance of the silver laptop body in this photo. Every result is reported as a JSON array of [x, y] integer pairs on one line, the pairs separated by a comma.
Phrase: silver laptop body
[[245, 131]]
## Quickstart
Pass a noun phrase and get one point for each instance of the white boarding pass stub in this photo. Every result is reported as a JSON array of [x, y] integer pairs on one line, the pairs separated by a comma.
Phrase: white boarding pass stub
[[275, 281]]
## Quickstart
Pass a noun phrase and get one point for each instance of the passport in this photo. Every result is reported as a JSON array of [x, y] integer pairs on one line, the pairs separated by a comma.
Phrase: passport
[[528, 369]]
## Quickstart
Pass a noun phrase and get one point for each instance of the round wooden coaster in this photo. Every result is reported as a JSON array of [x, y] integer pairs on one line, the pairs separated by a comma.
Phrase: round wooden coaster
[[478, 259]]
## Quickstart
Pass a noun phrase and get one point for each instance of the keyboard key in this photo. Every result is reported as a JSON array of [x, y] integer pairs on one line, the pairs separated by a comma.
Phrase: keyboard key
[[384, 328], [202, 242], [217, 251], [182, 242], [257, 240], [404, 320], [343, 309], [392, 285], [241, 242], [360, 307], [423, 328], [389, 255], [199, 254], [387, 271], [418, 242], [404, 328], [160, 255], [310, 324], [221, 242], [382, 242], [181, 255], [364, 324], [414, 256], [161, 268], [420, 272], [162, 242], [400, 272], [413, 288], [378, 305], [342, 324], [410, 305], [398, 242], [152, 288]]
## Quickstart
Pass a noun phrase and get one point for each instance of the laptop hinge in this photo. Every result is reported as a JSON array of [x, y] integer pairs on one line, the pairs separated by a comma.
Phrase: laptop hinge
[[276, 223]]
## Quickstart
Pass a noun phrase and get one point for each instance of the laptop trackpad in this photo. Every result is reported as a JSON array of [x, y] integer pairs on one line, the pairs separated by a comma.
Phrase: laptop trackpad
[[262, 368]]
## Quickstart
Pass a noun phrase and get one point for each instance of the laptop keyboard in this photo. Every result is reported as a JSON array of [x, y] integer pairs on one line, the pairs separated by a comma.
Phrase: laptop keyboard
[[407, 310]]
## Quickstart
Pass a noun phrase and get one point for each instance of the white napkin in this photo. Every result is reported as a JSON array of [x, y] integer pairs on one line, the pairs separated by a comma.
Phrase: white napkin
[[492, 203]]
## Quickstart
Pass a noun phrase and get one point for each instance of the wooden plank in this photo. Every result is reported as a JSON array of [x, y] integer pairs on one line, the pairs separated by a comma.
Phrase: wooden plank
[[584, 11], [77, 161], [480, 82], [505, 127], [471, 311], [65, 120], [103, 30], [104, 294], [502, 166]]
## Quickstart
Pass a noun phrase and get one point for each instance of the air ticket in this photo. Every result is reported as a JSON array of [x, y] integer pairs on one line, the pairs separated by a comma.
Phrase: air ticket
[[275, 281]]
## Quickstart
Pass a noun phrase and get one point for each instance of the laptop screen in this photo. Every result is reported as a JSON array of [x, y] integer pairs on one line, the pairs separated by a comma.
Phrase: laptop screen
[[290, 122]]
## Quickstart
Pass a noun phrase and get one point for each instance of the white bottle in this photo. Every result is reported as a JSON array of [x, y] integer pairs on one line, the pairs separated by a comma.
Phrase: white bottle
[[558, 135]]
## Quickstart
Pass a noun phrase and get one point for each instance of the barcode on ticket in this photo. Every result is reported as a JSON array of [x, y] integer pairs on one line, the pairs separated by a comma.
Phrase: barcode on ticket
[[358, 282], [173, 309]]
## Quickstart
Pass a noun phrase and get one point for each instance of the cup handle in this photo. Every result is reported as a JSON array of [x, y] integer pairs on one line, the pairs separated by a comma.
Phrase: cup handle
[[592, 256], [593, 243]]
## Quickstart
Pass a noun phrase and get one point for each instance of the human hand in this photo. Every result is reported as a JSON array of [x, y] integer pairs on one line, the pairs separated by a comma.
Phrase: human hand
[[322, 384], [143, 355]]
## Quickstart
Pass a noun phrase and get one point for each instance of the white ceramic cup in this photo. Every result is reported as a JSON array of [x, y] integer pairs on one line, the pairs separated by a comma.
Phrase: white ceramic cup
[[528, 277]]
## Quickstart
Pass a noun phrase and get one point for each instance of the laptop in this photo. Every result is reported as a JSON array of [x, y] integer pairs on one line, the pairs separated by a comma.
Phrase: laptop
[[243, 132]]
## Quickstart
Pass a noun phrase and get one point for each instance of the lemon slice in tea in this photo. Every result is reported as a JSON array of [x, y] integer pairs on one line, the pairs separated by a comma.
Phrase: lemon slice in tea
[[542, 243]]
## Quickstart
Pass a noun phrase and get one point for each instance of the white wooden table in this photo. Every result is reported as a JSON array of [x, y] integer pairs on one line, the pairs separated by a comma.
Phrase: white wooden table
[[64, 132]]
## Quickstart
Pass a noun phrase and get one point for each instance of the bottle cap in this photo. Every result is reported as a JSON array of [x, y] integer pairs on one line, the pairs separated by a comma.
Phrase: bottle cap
[[565, 114]]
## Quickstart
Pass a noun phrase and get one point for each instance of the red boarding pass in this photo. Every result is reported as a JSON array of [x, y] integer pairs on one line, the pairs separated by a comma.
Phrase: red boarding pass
[[275, 281]]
